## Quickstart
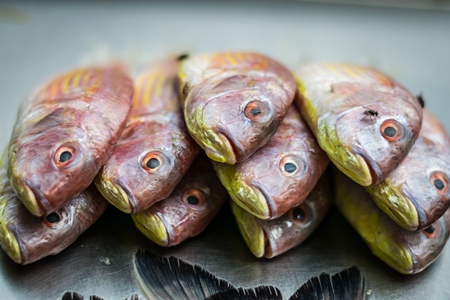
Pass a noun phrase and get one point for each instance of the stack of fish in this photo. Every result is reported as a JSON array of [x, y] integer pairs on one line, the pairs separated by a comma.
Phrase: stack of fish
[[270, 138]]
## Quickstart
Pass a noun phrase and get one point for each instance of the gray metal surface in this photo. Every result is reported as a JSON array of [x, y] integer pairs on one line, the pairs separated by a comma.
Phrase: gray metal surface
[[38, 41]]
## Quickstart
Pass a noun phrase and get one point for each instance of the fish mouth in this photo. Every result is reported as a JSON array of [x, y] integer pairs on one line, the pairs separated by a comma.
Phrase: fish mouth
[[253, 234], [16, 250], [232, 147], [270, 204], [253, 200], [35, 200], [154, 227], [127, 202], [420, 220], [373, 168]]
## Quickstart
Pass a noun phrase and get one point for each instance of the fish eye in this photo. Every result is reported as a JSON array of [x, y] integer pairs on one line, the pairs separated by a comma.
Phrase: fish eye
[[392, 131], [292, 166], [194, 199], [432, 231], [52, 219], [300, 214], [440, 182], [66, 156], [256, 111], [154, 161]]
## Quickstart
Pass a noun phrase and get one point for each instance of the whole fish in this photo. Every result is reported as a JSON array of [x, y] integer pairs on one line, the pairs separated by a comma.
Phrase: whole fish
[[188, 210], [278, 175], [270, 238], [27, 238], [365, 121], [417, 192], [155, 149], [233, 102], [64, 133], [408, 252]]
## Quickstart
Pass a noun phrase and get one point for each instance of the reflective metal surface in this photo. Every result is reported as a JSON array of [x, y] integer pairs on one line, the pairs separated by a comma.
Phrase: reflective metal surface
[[38, 41]]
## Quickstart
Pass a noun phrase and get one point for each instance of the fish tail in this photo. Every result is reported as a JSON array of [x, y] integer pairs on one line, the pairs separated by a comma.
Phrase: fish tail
[[171, 278], [348, 284], [78, 296], [263, 292]]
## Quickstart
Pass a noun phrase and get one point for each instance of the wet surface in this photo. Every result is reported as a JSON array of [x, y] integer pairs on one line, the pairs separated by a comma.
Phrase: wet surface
[[410, 45]]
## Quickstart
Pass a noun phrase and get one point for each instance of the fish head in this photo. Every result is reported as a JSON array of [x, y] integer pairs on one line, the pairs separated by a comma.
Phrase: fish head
[[371, 146], [240, 116], [146, 165], [51, 163], [185, 213], [426, 189], [275, 180], [424, 246], [27, 238], [270, 238]]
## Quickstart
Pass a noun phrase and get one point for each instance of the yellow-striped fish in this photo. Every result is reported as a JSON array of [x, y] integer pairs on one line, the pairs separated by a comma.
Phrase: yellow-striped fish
[[65, 132], [408, 252], [234, 102], [365, 121], [155, 149]]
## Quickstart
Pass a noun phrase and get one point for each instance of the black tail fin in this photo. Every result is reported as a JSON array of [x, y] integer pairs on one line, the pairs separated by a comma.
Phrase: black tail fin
[[78, 296], [172, 278], [262, 292], [348, 284]]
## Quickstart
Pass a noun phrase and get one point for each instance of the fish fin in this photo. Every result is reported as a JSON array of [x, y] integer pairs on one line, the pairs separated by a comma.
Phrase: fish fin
[[72, 296], [171, 278], [262, 292], [348, 284], [93, 297]]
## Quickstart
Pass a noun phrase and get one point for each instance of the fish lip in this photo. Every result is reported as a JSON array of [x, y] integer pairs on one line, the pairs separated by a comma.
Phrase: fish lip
[[375, 172], [419, 210], [415, 263], [23, 252], [39, 198], [132, 203], [270, 203], [235, 145], [169, 231]]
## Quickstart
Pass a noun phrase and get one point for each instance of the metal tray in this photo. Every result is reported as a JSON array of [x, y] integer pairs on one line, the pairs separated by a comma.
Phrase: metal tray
[[38, 41]]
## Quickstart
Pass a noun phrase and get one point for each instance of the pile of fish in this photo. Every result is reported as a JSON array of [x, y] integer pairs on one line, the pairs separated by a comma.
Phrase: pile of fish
[[171, 145]]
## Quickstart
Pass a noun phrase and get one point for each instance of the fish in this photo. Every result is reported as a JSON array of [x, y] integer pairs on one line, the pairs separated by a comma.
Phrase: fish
[[407, 252], [172, 278], [27, 238], [155, 149], [233, 102], [280, 174], [188, 210], [417, 192], [270, 238], [64, 133], [364, 120]]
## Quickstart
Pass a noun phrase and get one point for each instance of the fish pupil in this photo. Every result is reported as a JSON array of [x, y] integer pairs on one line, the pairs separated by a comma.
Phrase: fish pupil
[[290, 167], [192, 200], [153, 163], [298, 214], [255, 111], [65, 156], [430, 229], [438, 184], [390, 131], [53, 218]]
